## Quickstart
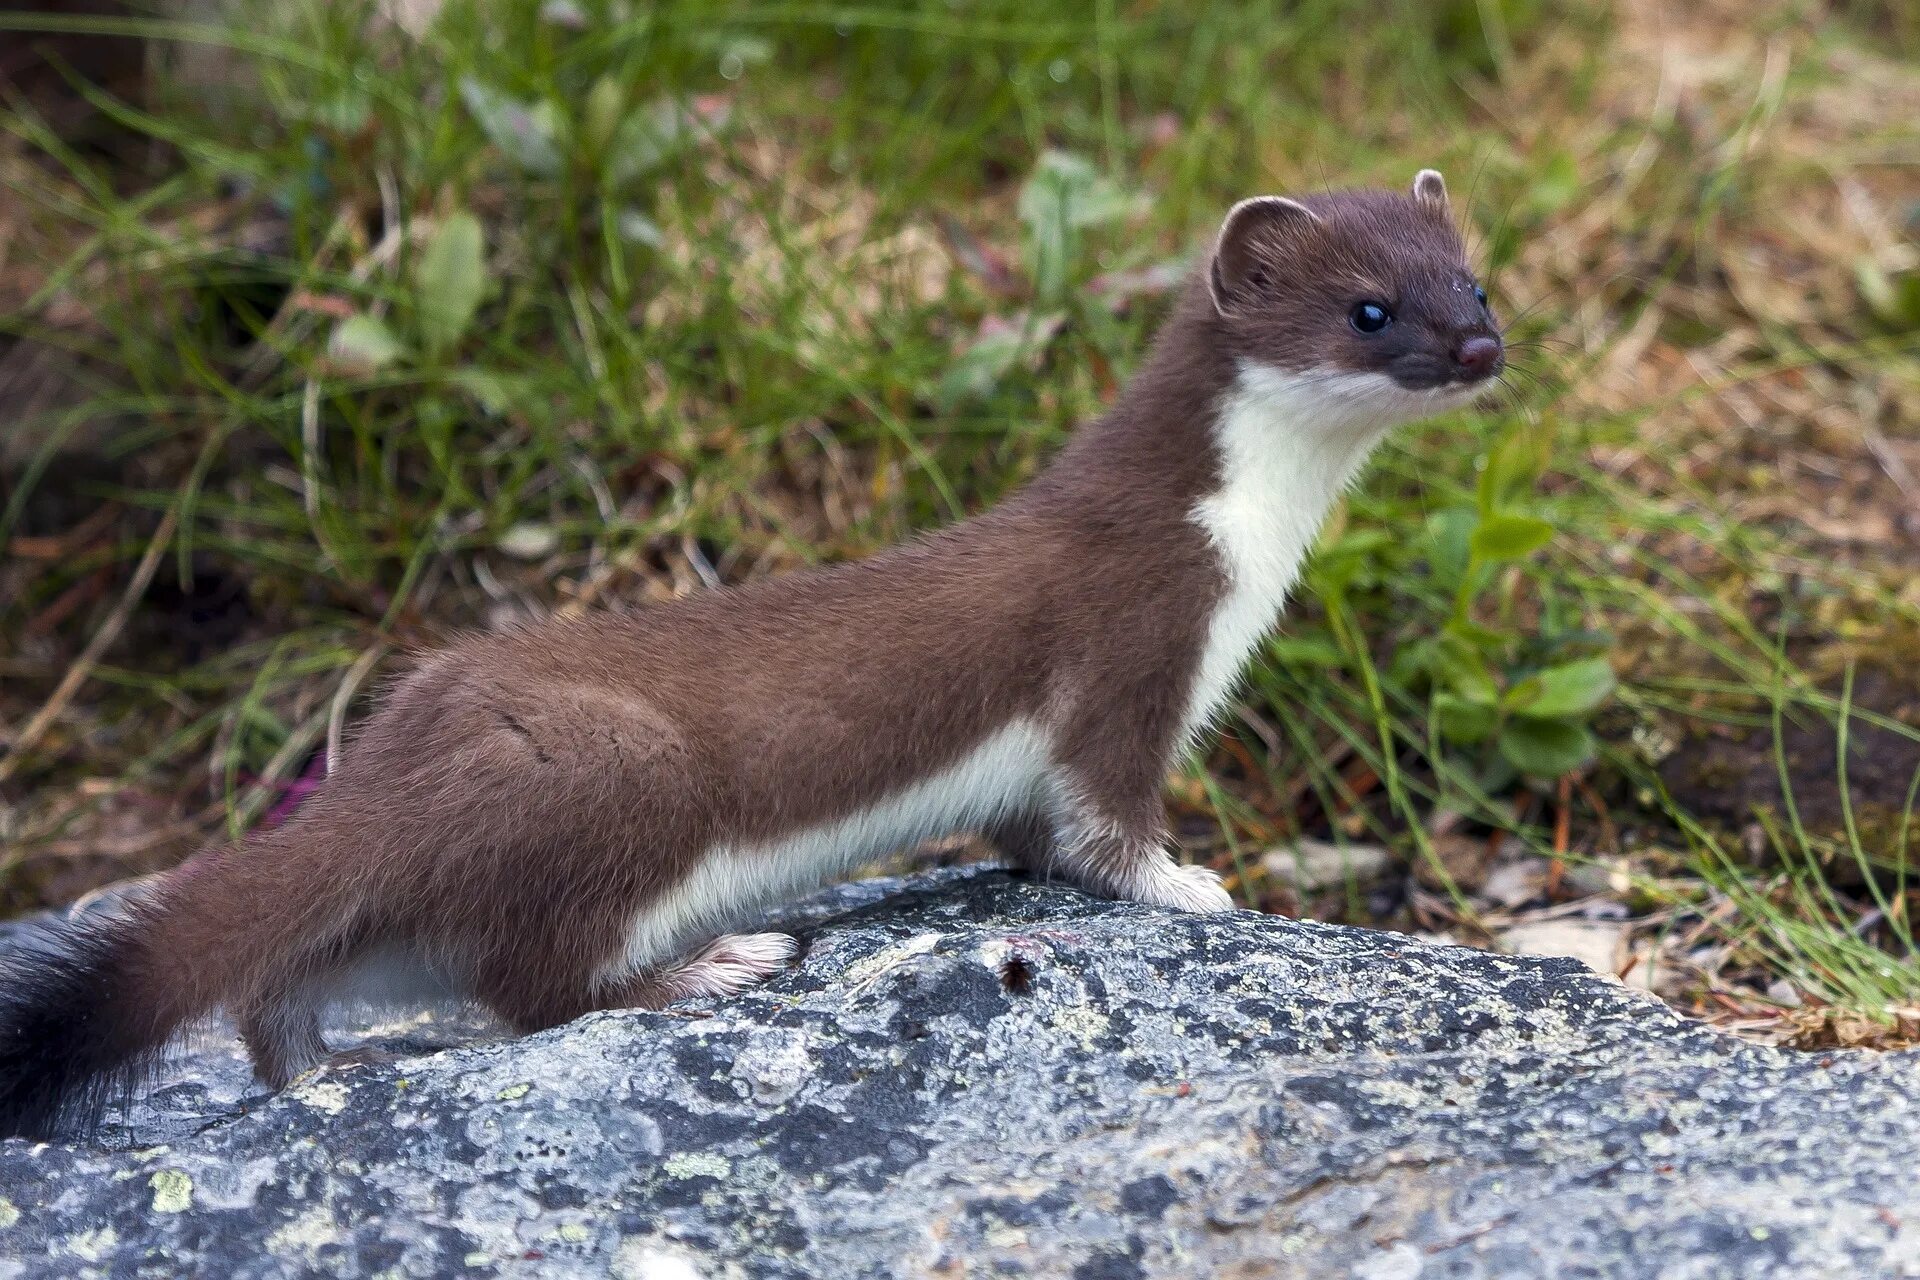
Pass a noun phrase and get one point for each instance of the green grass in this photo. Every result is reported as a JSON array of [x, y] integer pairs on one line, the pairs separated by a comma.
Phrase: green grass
[[553, 305]]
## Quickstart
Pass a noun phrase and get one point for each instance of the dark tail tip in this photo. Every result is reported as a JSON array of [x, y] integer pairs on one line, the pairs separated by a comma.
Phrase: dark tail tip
[[72, 1036]]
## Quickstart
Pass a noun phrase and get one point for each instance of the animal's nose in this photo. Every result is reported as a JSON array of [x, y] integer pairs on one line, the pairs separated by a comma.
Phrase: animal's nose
[[1477, 357]]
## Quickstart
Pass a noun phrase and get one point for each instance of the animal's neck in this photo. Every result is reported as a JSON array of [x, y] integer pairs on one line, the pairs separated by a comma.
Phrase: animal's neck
[[1248, 455], [1287, 445]]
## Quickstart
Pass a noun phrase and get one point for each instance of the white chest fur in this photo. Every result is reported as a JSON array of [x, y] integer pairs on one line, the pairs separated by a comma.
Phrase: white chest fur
[[1289, 444]]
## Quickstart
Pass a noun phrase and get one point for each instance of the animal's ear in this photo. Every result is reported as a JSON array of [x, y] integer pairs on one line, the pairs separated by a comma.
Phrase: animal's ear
[[1430, 188], [1243, 255]]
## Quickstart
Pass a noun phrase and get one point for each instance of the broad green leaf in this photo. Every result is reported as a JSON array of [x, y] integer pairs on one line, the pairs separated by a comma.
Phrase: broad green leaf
[[362, 345], [1000, 345], [1513, 468], [1064, 194], [498, 393], [979, 368], [1067, 187], [1521, 694], [449, 281], [637, 228], [1449, 543], [1545, 748], [1413, 662], [1894, 300], [1557, 183], [1472, 634], [1350, 560], [1462, 668], [1582, 642], [652, 134], [601, 112], [526, 135], [1510, 537], [1463, 721], [1570, 692]]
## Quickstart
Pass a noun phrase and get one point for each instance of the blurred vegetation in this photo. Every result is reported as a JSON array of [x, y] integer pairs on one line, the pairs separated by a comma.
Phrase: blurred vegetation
[[351, 324]]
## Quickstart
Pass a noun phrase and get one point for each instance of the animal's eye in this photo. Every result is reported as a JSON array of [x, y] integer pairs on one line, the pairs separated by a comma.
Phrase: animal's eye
[[1370, 317], [1480, 295]]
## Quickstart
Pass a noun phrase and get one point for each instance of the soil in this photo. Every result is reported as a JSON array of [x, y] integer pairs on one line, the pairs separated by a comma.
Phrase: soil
[[1730, 777]]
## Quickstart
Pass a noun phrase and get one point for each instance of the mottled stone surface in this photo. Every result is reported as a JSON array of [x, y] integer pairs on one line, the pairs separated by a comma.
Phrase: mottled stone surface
[[972, 1075]]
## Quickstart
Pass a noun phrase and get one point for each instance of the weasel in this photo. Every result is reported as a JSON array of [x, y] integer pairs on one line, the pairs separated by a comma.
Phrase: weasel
[[586, 815]]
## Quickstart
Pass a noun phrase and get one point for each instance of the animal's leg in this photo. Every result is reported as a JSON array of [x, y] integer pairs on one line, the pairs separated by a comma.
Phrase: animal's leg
[[1110, 823], [728, 965], [1025, 838], [282, 1035], [1115, 857], [1117, 861]]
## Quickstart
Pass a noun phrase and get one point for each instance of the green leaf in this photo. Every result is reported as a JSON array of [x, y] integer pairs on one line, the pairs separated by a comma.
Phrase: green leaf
[[1894, 300], [651, 135], [637, 228], [1556, 185], [1001, 344], [600, 115], [1513, 468], [526, 135], [1305, 651], [1521, 694], [1351, 560], [1463, 721], [362, 345], [449, 281], [1064, 194], [1510, 537], [498, 393], [1460, 667], [1546, 748], [978, 369], [1569, 692], [1067, 187], [1472, 634], [1449, 543]]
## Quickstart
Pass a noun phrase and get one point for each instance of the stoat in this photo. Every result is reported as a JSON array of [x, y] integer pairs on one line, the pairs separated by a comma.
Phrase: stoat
[[592, 814]]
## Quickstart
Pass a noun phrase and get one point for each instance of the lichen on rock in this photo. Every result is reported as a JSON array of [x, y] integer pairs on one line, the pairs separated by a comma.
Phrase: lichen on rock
[[970, 1073]]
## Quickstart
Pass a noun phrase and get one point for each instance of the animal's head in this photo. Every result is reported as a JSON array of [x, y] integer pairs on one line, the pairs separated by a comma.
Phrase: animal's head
[[1366, 294]]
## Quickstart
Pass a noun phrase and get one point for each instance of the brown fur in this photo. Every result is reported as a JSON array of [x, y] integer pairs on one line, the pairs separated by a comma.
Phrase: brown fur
[[1324, 253], [518, 798]]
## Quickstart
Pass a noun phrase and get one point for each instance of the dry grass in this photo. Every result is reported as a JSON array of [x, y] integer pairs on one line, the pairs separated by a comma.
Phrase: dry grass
[[1704, 221]]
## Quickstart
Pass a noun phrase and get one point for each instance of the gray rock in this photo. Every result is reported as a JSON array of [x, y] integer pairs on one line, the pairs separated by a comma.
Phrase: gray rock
[[974, 1075]]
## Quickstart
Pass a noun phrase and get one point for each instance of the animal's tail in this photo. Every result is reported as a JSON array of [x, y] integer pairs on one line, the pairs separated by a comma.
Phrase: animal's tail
[[86, 1008]]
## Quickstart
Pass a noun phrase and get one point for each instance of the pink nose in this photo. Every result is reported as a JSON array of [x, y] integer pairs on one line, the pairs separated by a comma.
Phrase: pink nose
[[1477, 356]]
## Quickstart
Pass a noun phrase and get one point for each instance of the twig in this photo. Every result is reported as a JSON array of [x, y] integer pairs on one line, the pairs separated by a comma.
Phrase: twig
[[60, 545], [1890, 462], [76, 675], [1562, 830], [1609, 834]]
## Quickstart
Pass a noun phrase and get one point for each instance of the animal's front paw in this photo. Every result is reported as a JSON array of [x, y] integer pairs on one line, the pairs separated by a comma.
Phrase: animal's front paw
[[1183, 888]]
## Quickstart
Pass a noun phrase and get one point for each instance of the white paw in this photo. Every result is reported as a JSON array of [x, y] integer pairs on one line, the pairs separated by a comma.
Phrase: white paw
[[1183, 888], [763, 954], [732, 963]]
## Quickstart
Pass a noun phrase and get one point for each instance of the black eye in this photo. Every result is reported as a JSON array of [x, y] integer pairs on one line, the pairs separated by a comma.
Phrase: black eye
[[1370, 317], [1480, 295]]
